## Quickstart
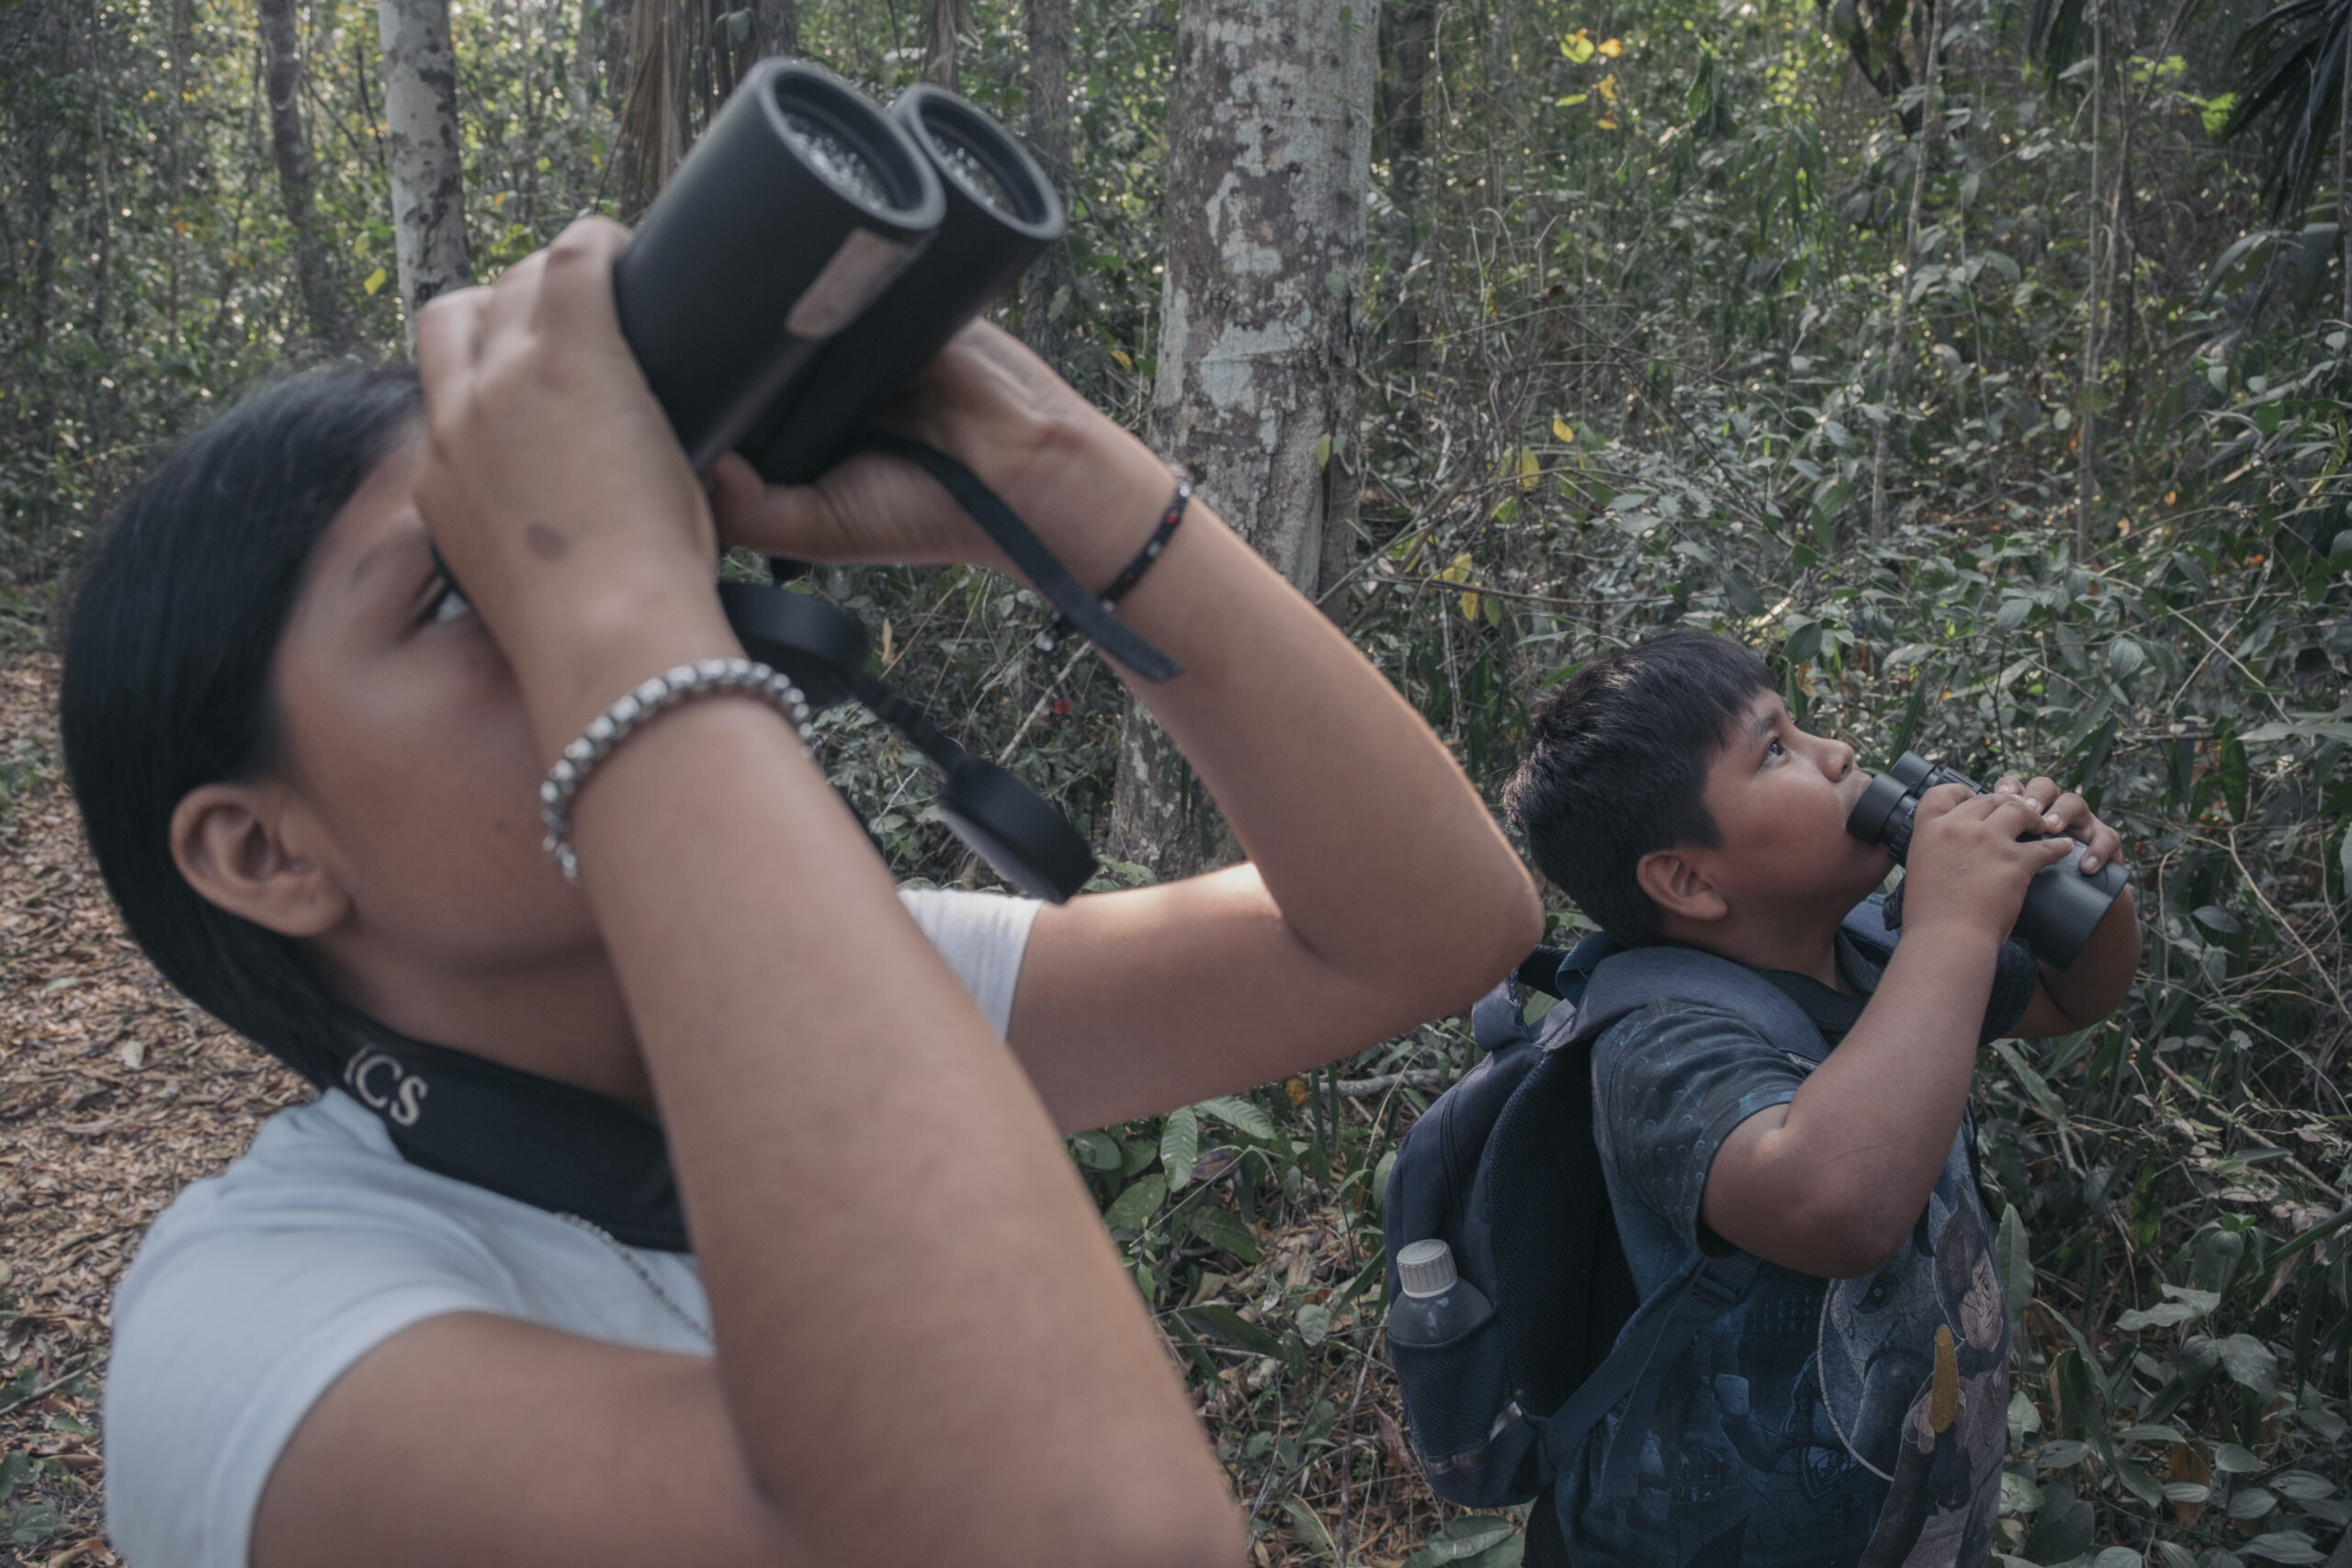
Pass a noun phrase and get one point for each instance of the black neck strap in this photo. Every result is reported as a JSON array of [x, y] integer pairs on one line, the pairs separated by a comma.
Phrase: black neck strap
[[1083, 608], [553, 1145]]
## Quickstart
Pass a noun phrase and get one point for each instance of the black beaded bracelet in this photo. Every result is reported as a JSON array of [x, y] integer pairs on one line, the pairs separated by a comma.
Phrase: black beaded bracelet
[[1132, 573]]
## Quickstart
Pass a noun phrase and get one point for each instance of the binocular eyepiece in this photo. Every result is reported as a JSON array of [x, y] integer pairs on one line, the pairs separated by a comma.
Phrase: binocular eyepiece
[[2062, 908]]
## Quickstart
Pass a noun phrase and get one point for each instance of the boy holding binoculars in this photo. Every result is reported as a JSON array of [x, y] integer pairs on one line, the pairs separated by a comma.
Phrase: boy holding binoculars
[[1851, 1407]]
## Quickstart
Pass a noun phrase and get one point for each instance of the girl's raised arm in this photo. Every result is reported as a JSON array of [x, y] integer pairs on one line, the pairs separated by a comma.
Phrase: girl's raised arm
[[925, 1348]]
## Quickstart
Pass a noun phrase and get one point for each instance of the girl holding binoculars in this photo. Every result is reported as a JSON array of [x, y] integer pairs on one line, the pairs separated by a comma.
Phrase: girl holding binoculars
[[901, 1335]]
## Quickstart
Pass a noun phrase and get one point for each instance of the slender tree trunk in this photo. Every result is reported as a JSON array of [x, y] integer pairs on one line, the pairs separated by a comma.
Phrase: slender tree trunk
[[329, 324], [779, 27], [1046, 289], [1269, 149], [2343, 190], [428, 182], [1412, 31], [101, 161], [1898, 349], [181, 45], [2087, 417], [946, 24]]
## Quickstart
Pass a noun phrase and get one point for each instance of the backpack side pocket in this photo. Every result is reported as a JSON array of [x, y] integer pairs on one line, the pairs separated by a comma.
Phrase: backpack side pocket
[[1465, 1427]]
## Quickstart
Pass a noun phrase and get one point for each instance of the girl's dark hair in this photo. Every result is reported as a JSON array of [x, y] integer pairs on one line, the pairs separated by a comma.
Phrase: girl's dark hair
[[167, 677], [1618, 769]]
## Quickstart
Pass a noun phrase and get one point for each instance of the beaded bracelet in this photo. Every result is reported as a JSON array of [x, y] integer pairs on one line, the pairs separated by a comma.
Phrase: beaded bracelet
[[605, 732], [1132, 573]]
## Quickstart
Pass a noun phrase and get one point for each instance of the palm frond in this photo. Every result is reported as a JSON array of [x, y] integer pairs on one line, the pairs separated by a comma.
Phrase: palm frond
[[2294, 80]]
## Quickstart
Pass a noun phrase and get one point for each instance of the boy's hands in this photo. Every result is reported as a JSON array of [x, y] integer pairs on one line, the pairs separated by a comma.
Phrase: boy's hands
[[2066, 812], [1968, 866]]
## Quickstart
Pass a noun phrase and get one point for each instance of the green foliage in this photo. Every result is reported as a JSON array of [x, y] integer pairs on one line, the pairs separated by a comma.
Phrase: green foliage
[[1630, 361]]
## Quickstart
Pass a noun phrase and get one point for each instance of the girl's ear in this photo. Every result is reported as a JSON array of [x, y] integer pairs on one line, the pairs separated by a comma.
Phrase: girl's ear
[[245, 848], [1678, 887]]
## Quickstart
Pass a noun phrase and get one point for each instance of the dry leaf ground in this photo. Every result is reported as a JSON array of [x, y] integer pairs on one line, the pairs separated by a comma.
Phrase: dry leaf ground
[[115, 1093]]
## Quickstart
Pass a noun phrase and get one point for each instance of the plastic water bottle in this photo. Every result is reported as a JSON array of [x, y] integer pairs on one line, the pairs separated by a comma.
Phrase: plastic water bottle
[[1438, 1304]]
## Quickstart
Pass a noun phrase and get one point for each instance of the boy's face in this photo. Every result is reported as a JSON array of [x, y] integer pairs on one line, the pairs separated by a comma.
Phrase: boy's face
[[1780, 797]]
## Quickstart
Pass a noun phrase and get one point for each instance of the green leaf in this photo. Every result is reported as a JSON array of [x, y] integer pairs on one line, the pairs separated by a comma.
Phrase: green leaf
[[1240, 1115], [2013, 1249], [2252, 1502], [1224, 1231], [2303, 1486], [2036, 1087], [2232, 1460], [2183, 1306], [2012, 613], [1180, 1146], [1224, 1322], [2283, 1546], [2117, 1557], [1311, 1531], [1313, 1324], [2136, 1481], [1096, 1151], [1458, 1540], [2250, 1363], [1134, 1209], [2125, 656], [2166, 1434]]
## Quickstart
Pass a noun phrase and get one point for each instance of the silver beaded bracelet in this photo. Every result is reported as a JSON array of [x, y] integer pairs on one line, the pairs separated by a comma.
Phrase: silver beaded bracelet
[[604, 733]]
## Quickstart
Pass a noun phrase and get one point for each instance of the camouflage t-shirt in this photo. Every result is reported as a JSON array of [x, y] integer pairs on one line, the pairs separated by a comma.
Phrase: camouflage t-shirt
[[1821, 1423]]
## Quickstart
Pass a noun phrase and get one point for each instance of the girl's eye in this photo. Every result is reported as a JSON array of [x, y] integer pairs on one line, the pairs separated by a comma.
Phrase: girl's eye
[[451, 605], [1774, 750]]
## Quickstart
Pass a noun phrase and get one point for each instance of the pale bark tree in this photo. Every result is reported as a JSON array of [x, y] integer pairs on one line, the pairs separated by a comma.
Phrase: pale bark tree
[[290, 143], [1046, 288], [1270, 149], [420, 145]]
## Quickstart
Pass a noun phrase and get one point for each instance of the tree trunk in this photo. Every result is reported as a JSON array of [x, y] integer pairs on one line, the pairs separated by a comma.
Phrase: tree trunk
[[779, 27], [421, 135], [1269, 149], [329, 324], [1896, 382], [1411, 31], [1046, 288], [2087, 419], [2343, 192], [947, 24]]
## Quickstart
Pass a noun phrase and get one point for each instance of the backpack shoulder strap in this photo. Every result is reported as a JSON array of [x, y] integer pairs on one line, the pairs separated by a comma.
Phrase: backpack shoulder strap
[[1866, 923], [1634, 979]]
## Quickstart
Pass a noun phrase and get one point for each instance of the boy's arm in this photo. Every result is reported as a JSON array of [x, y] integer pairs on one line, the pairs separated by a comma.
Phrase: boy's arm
[[2078, 997], [1831, 1182]]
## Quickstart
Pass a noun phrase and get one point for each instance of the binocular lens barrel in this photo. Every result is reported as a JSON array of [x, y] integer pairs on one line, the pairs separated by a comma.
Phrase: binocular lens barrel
[[813, 253], [802, 203], [2062, 908], [1000, 213]]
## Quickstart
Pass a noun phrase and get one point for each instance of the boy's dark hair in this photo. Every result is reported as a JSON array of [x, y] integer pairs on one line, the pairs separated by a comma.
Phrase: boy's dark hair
[[167, 677], [1619, 768]]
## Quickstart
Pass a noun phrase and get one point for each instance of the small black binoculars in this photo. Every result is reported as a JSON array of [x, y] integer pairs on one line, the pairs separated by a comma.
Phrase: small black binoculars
[[811, 254], [2063, 907]]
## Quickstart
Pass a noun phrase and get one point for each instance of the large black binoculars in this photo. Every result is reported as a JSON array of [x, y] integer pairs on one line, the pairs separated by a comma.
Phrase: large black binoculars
[[814, 252], [811, 254], [2063, 907]]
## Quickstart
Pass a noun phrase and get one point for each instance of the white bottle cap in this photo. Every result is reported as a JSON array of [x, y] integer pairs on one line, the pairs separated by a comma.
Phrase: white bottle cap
[[1426, 1268]]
